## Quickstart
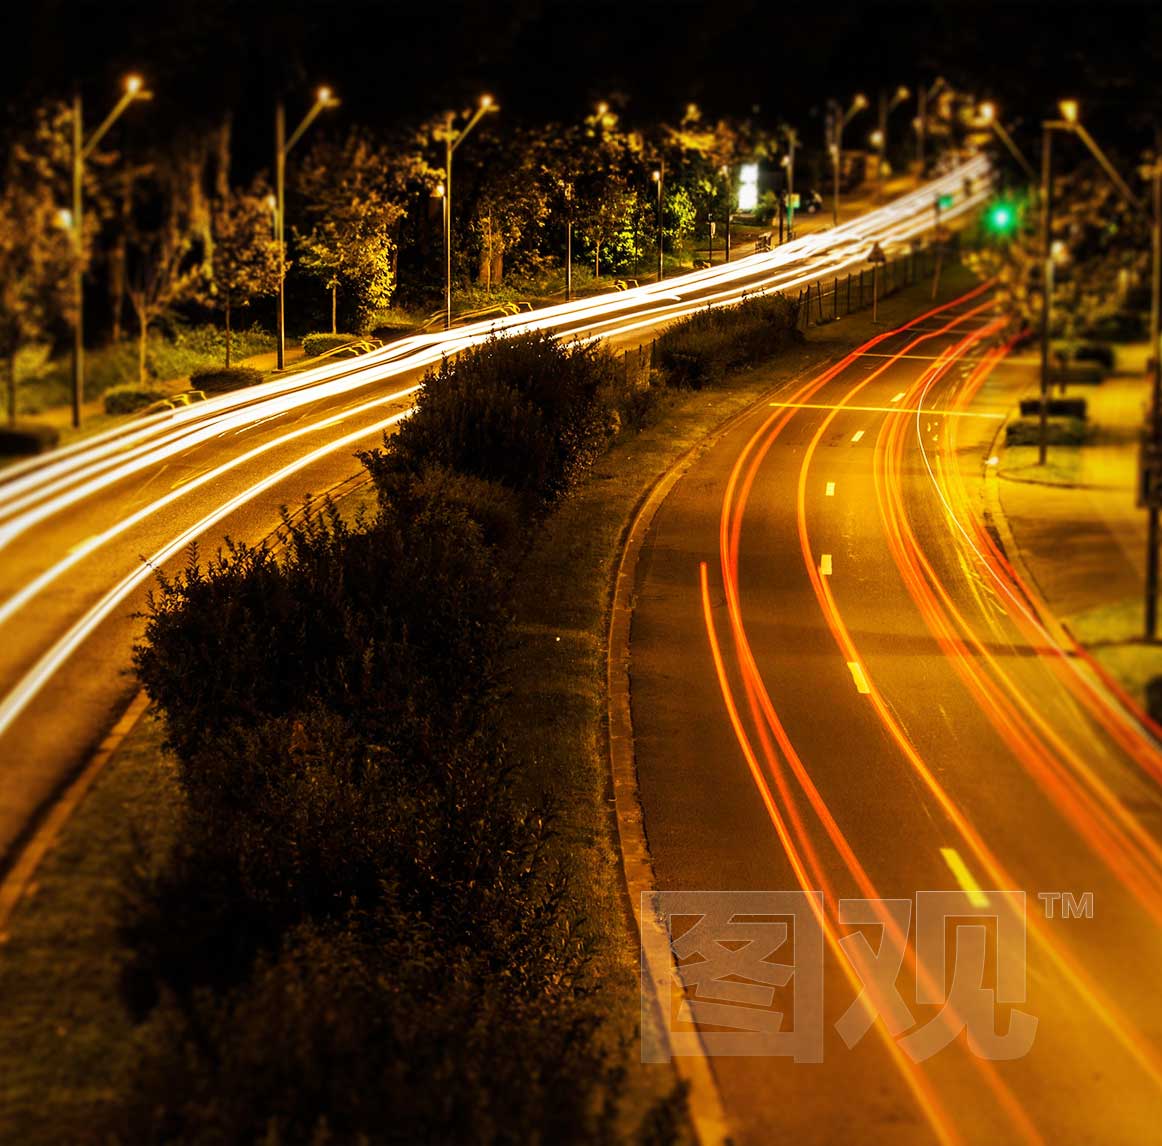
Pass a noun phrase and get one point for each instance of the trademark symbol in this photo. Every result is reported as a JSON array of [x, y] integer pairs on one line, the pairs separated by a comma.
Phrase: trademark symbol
[[1065, 903]]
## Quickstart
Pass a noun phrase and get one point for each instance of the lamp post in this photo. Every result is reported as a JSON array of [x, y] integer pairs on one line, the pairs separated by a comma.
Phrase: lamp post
[[567, 187], [452, 140], [1067, 122], [324, 98], [659, 177], [923, 98], [725, 171], [789, 162], [987, 112], [887, 106], [839, 120], [81, 150]]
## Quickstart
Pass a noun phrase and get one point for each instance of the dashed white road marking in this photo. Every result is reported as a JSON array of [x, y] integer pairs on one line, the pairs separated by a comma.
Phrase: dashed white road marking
[[857, 435], [857, 674], [964, 877], [825, 565], [898, 396], [830, 489]]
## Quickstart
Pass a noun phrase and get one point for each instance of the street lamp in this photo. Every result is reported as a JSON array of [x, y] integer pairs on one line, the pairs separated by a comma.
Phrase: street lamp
[[452, 140], [924, 96], [789, 162], [324, 99], [880, 135], [840, 120], [724, 171], [82, 149], [659, 177], [987, 113]]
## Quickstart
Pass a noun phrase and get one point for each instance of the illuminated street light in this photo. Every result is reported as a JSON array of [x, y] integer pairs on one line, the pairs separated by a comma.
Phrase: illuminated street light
[[879, 137], [987, 114], [789, 162], [324, 99], [1068, 109], [82, 149], [452, 140], [840, 120], [924, 96], [659, 177]]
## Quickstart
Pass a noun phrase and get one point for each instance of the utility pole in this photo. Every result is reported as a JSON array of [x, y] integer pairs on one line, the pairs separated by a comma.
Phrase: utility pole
[[1046, 285], [81, 150], [452, 140], [729, 205], [279, 219], [1156, 395], [660, 179], [78, 261], [792, 143], [282, 146], [568, 242]]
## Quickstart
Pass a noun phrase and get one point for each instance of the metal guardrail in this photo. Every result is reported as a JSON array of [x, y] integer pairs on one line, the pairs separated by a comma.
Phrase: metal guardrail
[[356, 346], [498, 310]]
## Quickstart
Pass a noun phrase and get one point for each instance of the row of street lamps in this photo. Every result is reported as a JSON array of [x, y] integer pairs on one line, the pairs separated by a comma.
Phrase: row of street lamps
[[1070, 123]]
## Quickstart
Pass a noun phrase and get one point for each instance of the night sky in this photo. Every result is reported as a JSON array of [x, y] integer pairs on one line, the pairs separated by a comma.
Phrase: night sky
[[551, 59]]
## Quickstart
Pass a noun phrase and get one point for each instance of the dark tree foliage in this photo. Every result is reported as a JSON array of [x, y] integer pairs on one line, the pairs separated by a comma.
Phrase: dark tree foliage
[[383, 623]]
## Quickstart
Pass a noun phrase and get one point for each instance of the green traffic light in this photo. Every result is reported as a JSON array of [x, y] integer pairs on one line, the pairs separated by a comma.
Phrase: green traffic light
[[1001, 218]]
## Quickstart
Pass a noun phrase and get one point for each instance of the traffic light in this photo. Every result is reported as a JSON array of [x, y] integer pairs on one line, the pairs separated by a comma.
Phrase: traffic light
[[1001, 219]]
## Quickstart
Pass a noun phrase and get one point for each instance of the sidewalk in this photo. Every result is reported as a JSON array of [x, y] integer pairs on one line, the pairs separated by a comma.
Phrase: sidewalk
[[93, 416], [1081, 535]]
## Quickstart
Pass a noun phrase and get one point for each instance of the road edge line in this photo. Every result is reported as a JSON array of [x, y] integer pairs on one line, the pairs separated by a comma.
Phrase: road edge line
[[19, 876], [710, 1123]]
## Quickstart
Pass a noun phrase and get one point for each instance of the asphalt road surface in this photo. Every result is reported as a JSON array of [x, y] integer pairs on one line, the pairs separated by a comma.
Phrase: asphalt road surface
[[838, 686], [81, 529]]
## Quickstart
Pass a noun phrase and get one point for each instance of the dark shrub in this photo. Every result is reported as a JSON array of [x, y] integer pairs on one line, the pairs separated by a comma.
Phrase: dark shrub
[[699, 350], [382, 1031], [402, 616], [129, 398], [320, 343], [526, 412], [217, 380], [1060, 432], [27, 438]]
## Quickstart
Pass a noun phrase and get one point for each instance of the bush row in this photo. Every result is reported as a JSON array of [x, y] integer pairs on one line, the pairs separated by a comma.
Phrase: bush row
[[218, 380], [698, 351], [358, 933], [131, 397], [320, 343]]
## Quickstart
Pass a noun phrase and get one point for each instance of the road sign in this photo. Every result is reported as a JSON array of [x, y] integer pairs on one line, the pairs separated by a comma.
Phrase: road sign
[[877, 254]]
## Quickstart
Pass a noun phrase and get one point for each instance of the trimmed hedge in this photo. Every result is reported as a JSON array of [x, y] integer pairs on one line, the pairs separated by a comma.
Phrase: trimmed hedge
[[529, 412], [27, 438], [320, 343], [218, 380], [131, 397], [698, 351], [1059, 432]]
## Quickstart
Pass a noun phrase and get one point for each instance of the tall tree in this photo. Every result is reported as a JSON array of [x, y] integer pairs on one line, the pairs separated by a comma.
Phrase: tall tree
[[242, 260], [35, 253], [356, 196]]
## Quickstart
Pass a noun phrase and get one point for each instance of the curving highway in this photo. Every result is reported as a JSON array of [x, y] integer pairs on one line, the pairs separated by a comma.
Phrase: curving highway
[[876, 707]]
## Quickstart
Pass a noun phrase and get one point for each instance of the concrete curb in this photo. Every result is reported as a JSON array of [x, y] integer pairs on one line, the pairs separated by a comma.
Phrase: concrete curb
[[19, 876], [711, 1126]]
